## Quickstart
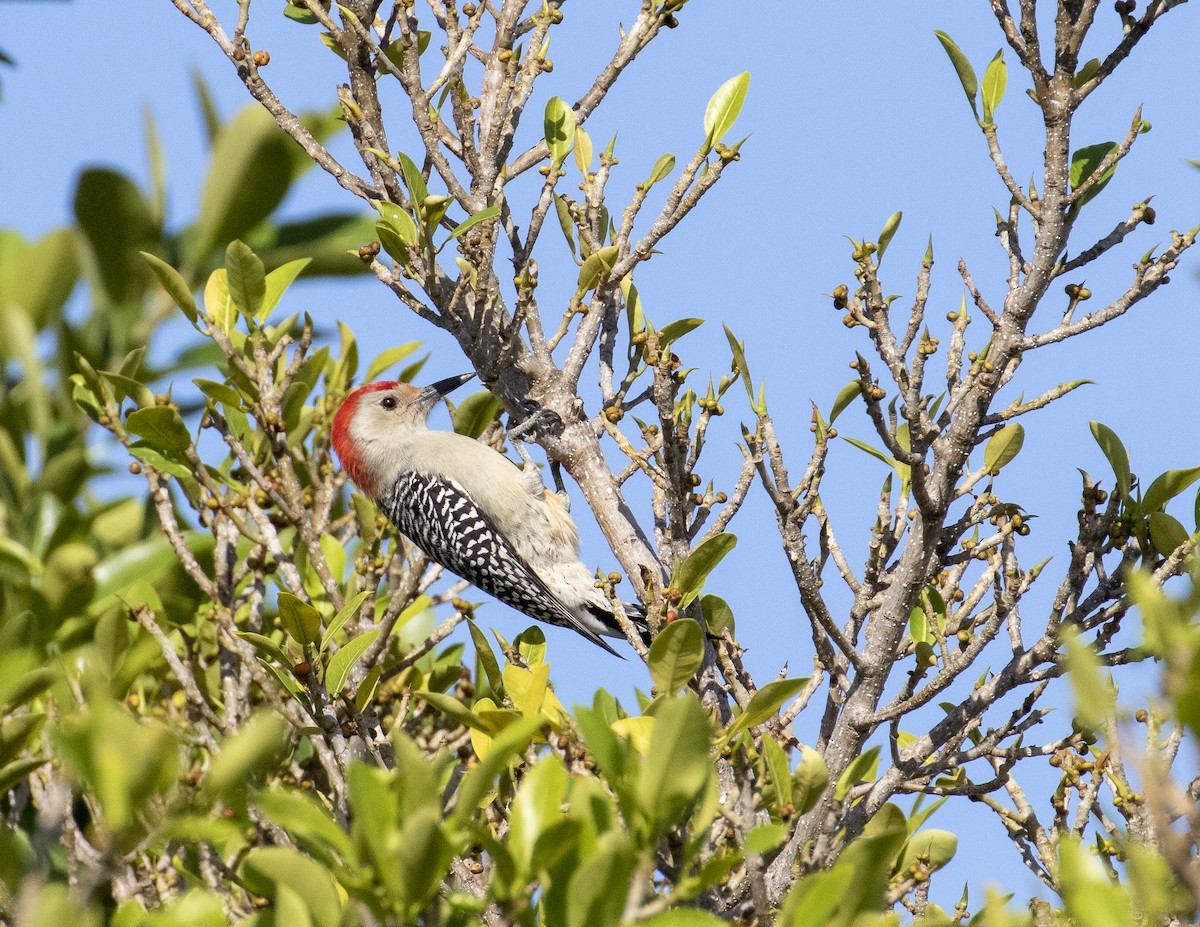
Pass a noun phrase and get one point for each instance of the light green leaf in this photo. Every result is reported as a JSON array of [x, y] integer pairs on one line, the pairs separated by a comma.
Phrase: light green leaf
[[560, 127], [1003, 447], [217, 304], [995, 79], [723, 109], [475, 413], [861, 769], [248, 755], [676, 655], [933, 847], [347, 611], [343, 661], [888, 233], [765, 703], [1167, 486], [661, 170], [583, 150], [277, 283], [473, 220], [389, 358], [809, 781]]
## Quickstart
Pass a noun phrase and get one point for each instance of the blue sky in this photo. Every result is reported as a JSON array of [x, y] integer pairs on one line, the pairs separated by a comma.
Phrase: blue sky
[[854, 112]]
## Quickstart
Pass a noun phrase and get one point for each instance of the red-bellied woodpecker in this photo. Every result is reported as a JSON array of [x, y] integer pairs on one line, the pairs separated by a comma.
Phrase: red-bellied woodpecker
[[470, 508]]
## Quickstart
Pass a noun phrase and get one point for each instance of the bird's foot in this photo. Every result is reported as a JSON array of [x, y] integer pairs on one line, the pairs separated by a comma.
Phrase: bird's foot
[[537, 421]]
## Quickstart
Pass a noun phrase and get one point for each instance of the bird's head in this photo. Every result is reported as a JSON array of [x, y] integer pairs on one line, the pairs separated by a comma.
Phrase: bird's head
[[372, 417]]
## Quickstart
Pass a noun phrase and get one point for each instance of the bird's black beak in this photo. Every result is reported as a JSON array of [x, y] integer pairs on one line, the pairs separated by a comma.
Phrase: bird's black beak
[[435, 391], [450, 384]]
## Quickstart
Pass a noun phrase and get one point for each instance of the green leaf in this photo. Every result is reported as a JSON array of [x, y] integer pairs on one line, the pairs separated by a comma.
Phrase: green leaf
[[677, 766], [161, 462], [739, 362], [809, 781], [596, 267], [277, 283], [661, 170], [1003, 447], [473, 220], [962, 67], [217, 304], [413, 179], [874, 452], [478, 781], [995, 79], [765, 838], [692, 573], [846, 395], [723, 109], [475, 413], [1166, 533], [1092, 900], [598, 887], [248, 755], [269, 870], [888, 233], [676, 655], [118, 225], [531, 645], [301, 621], [583, 150], [560, 128], [266, 647], [933, 847], [765, 703], [861, 769], [1118, 458], [389, 358], [345, 614], [1084, 163], [247, 278], [1167, 486], [487, 656], [343, 661], [684, 917], [172, 281], [563, 210], [673, 331], [161, 427], [718, 616], [249, 173]]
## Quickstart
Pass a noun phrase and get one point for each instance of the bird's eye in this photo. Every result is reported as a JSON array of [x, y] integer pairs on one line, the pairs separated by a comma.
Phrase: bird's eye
[[388, 402]]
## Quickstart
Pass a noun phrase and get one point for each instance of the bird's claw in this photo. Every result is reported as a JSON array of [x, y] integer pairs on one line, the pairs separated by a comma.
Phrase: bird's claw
[[537, 420]]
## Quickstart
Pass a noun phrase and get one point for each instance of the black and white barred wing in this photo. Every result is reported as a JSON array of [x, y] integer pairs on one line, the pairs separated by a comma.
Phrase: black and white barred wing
[[439, 516]]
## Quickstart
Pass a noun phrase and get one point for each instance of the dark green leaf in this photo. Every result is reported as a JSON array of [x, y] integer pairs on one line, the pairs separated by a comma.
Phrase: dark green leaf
[[1084, 163], [596, 267], [247, 278], [718, 616], [1118, 458], [161, 427], [1166, 533], [119, 226]]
